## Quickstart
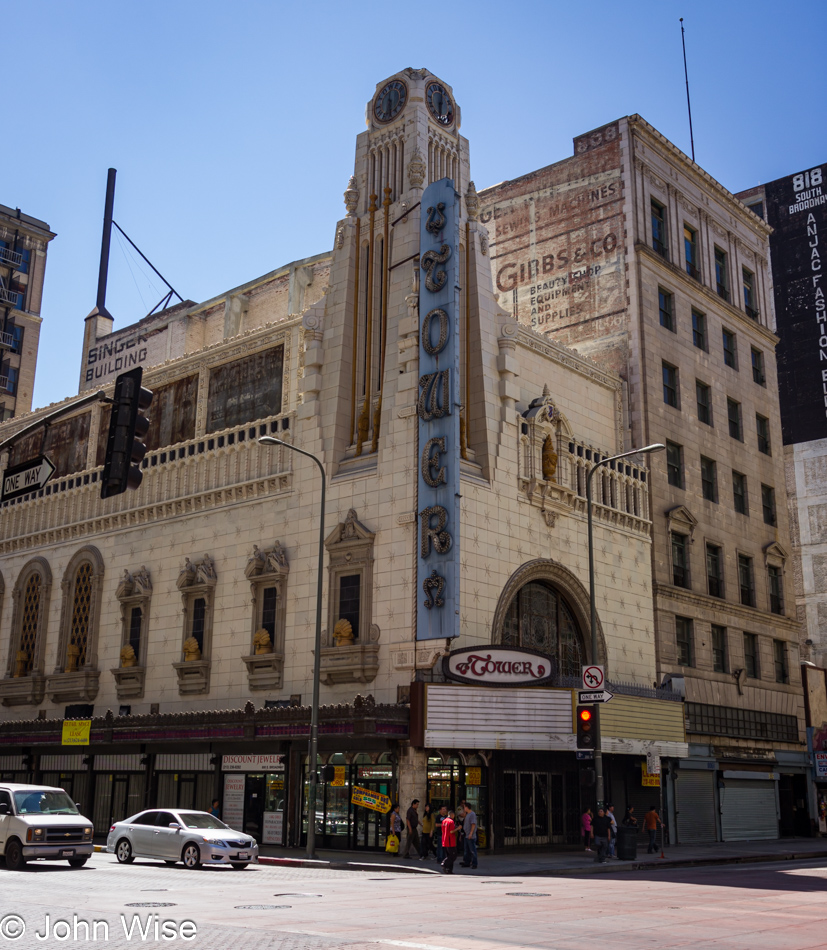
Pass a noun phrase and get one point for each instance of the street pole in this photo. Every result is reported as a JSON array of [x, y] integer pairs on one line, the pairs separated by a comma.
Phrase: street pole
[[598, 752], [313, 749]]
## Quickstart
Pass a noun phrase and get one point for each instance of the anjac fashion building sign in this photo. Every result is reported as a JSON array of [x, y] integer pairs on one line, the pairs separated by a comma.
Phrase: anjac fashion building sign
[[498, 666], [438, 411]]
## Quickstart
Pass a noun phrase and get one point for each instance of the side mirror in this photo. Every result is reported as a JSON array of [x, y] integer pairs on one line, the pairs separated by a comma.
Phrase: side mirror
[[175, 825], [77, 805], [4, 808]]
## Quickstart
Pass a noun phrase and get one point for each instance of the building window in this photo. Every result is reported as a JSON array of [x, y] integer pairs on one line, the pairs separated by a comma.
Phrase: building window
[[733, 411], [751, 666], [134, 594], [683, 637], [730, 351], [768, 504], [350, 548], [10, 375], [17, 338], [721, 275], [740, 723], [758, 367], [27, 644], [699, 329], [30, 610], [720, 660], [674, 464], [670, 385], [750, 304], [739, 492], [757, 208], [659, 241], [709, 480], [779, 652], [703, 396], [776, 580], [690, 248], [136, 617], [714, 571], [269, 598], [539, 618], [680, 560], [81, 586], [762, 428], [267, 571], [746, 581], [666, 308], [196, 582]]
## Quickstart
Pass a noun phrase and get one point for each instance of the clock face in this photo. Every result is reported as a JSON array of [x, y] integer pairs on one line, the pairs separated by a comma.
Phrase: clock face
[[440, 104], [390, 101]]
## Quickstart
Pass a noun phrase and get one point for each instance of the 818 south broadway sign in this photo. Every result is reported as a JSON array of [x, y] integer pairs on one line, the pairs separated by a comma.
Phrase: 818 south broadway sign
[[438, 410]]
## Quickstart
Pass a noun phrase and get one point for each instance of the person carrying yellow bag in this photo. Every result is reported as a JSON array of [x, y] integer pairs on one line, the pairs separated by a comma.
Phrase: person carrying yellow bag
[[392, 844]]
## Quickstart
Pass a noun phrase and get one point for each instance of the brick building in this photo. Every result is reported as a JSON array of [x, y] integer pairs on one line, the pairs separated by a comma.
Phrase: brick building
[[24, 243], [635, 256]]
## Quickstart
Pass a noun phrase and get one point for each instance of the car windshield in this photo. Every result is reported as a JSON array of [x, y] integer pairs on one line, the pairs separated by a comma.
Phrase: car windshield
[[200, 819], [34, 801]]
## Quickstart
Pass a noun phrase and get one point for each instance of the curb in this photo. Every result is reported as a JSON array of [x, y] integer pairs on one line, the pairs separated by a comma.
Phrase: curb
[[344, 865]]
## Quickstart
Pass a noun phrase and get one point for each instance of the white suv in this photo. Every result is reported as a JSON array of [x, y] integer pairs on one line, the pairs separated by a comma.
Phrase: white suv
[[38, 822]]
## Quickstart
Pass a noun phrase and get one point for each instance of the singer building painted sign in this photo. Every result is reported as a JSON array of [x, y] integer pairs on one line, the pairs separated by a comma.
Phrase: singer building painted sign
[[438, 411]]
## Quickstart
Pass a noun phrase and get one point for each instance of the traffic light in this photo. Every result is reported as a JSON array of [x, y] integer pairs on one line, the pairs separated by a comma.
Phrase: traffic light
[[127, 426], [588, 730], [327, 773]]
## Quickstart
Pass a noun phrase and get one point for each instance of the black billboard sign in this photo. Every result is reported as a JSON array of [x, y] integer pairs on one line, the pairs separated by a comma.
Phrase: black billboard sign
[[797, 210]]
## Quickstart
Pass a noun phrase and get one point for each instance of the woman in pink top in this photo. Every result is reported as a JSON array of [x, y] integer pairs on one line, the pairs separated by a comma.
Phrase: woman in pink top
[[586, 827]]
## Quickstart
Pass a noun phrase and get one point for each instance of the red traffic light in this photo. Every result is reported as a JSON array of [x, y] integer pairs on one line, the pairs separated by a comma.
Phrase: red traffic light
[[585, 715]]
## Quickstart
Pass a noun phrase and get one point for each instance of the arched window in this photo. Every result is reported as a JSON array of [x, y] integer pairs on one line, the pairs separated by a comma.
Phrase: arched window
[[539, 618], [24, 681], [26, 654], [80, 614]]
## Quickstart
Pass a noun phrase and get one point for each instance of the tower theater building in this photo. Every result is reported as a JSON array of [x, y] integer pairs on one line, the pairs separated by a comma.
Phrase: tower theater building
[[456, 435]]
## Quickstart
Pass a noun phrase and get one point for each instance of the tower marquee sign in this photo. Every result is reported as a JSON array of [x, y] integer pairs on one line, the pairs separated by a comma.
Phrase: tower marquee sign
[[438, 410]]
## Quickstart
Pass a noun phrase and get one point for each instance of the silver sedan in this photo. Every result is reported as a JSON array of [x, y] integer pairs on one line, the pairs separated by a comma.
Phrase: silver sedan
[[174, 834]]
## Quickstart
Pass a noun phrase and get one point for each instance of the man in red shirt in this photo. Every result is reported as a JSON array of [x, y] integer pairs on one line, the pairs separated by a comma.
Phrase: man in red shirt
[[449, 842]]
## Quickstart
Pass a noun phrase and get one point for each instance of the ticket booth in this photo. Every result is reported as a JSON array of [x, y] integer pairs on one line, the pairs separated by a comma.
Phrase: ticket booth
[[255, 796]]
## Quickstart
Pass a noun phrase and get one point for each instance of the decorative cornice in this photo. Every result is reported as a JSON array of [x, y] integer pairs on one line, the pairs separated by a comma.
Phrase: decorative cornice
[[561, 354], [749, 615]]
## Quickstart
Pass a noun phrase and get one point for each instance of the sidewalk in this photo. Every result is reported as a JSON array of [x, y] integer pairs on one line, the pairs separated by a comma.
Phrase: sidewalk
[[558, 863]]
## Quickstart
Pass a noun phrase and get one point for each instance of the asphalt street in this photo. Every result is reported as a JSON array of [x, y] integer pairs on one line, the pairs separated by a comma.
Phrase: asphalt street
[[753, 907]]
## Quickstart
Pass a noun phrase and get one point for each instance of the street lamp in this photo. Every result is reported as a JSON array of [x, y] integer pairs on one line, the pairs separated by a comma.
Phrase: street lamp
[[313, 752], [656, 447]]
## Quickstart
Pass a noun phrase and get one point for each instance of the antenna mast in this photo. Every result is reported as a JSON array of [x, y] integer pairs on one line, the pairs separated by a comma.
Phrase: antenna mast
[[688, 105]]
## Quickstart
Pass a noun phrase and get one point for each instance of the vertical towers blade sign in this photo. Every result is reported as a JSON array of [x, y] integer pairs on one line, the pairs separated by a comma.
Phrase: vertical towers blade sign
[[438, 410]]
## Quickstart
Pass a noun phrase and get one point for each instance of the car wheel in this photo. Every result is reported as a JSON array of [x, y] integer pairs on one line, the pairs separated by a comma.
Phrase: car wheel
[[78, 862], [123, 852], [191, 856], [240, 867], [14, 856]]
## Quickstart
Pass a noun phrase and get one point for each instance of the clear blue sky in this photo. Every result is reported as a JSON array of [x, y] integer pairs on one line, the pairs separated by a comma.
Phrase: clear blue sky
[[232, 125]]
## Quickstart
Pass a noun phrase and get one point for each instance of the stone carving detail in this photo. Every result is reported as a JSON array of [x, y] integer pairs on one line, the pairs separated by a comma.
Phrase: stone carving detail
[[191, 650], [483, 242], [417, 168], [436, 219], [128, 657], [351, 196], [472, 202], [343, 633], [340, 238], [262, 642], [549, 459], [200, 573]]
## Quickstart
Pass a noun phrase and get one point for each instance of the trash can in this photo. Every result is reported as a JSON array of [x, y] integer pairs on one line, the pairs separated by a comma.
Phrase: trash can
[[626, 847]]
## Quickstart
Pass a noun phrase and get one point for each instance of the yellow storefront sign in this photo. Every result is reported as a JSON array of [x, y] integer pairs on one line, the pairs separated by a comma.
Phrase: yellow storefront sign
[[647, 779], [339, 776], [76, 731], [473, 776], [376, 801]]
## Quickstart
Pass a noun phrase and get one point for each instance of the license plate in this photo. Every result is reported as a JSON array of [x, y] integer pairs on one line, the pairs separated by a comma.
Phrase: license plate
[[243, 856], [68, 854]]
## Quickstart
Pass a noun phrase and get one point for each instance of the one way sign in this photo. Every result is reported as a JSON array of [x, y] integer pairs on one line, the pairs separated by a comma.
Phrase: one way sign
[[25, 478]]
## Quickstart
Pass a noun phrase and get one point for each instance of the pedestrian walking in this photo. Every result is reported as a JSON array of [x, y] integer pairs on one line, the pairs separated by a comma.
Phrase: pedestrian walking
[[412, 824], [449, 842], [650, 822], [427, 838], [586, 827], [602, 830], [441, 815], [610, 814], [396, 825], [469, 836]]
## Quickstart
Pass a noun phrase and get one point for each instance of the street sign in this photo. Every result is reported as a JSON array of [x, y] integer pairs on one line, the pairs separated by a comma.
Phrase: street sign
[[593, 677], [25, 478], [586, 697], [584, 754]]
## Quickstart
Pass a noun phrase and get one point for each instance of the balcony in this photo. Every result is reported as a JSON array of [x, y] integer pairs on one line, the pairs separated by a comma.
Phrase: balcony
[[7, 341], [12, 297], [8, 256]]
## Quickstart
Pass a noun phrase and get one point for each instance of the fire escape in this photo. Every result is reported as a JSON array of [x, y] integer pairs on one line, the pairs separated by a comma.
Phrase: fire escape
[[14, 264]]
